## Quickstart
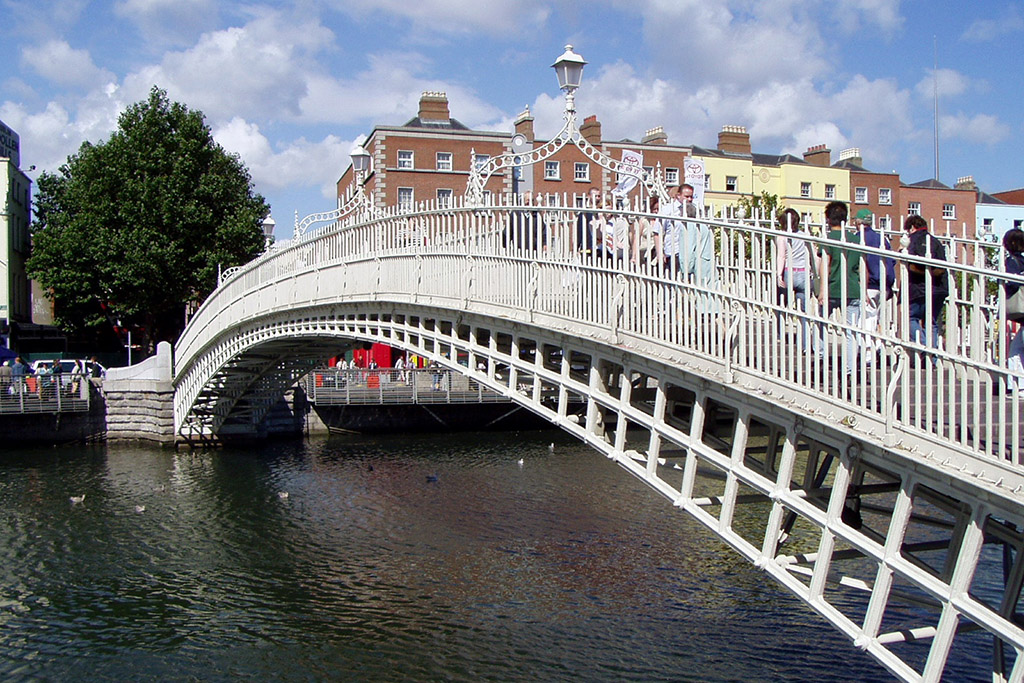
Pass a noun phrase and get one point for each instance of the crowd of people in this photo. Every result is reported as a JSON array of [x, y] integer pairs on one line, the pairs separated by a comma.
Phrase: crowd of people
[[825, 280], [48, 378]]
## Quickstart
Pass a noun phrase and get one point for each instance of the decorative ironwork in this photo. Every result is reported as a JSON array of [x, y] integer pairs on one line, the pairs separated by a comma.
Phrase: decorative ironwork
[[356, 202], [568, 135]]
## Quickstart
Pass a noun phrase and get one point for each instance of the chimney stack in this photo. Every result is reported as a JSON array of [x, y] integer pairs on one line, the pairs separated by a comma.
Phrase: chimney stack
[[819, 155], [966, 183], [524, 124], [434, 106], [655, 136], [591, 130], [852, 154], [734, 139]]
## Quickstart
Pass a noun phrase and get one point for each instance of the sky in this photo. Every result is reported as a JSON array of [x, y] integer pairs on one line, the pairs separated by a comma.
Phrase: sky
[[292, 86]]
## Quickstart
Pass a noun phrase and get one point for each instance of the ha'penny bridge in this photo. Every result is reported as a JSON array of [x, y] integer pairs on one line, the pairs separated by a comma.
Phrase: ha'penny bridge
[[889, 499], [890, 502]]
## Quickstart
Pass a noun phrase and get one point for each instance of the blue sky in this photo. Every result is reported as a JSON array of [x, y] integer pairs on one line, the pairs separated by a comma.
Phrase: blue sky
[[291, 86]]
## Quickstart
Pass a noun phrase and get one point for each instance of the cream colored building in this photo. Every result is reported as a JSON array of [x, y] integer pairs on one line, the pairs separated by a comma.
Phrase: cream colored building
[[15, 214], [733, 170]]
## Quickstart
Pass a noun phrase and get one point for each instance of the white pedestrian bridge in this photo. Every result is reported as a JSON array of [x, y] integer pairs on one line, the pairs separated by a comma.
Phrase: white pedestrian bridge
[[888, 499]]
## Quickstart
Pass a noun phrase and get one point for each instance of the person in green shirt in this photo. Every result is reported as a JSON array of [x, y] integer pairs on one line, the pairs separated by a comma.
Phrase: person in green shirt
[[840, 278]]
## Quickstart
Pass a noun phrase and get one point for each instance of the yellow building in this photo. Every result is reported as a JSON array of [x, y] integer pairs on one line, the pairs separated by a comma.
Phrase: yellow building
[[733, 170]]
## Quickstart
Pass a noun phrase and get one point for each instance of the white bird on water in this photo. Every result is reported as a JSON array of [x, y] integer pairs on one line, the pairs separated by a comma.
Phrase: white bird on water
[[551, 447], [283, 495], [520, 462], [140, 508], [75, 500]]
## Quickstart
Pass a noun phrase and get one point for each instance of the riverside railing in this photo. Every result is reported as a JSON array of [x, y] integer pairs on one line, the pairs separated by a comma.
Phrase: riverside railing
[[547, 265], [45, 394], [331, 386]]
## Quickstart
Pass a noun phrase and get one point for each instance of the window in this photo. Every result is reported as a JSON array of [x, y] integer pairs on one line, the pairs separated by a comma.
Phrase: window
[[707, 181], [914, 208], [444, 161], [885, 196], [551, 170], [805, 189], [405, 198], [830, 192], [884, 223], [672, 176], [987, 222], [730, 183], [444, 198], [581, 172], [405, 158], [1018, 224], [480, 160], [949, 212], [860, 195], [807, 218]]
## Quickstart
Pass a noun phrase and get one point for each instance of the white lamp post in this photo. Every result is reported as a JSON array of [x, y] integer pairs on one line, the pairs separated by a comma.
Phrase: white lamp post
[[360, 163], [569, 69], [268, 231]]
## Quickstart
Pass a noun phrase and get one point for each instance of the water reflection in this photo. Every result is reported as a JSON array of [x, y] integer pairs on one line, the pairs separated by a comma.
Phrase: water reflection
[[391, 558]]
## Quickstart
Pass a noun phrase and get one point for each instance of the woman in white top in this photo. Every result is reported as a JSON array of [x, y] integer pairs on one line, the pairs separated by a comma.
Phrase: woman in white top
[[794, 264]]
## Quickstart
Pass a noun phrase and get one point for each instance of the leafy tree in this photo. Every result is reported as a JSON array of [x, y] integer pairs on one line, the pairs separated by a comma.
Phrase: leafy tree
[[135, 228], [759, 206]]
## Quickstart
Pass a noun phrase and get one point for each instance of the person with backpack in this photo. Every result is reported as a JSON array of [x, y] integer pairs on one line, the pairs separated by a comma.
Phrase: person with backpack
[[1013, 242], [929, 286]]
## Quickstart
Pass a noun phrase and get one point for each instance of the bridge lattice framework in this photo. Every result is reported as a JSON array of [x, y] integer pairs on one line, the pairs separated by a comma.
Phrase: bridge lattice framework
[[890, 504]]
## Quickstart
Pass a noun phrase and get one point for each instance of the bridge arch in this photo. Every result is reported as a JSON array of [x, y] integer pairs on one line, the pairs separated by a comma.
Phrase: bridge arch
[[876, 519]]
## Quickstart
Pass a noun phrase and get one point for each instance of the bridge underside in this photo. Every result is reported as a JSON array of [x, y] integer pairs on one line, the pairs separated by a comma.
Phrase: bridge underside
[[916, 567]]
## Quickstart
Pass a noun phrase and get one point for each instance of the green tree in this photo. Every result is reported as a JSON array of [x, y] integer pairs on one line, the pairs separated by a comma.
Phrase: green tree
[[135, 228], [760, 206]]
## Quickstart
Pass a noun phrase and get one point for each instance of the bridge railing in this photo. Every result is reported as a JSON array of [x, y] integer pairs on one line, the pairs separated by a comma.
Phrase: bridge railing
[[390, 386], [45, 394], [722, 307]]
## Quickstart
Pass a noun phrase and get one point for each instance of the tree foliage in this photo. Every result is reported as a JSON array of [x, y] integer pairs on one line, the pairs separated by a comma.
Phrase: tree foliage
[[135, 228]]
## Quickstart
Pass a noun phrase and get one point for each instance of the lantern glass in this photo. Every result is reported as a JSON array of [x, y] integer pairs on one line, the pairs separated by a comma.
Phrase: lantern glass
[[569, 69]]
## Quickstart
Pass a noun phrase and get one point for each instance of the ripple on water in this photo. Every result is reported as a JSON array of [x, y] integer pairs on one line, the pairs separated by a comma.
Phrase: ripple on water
[[391, 558]]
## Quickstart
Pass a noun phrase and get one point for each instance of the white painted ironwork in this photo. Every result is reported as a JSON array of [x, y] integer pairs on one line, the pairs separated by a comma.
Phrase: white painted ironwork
[[886, 501]]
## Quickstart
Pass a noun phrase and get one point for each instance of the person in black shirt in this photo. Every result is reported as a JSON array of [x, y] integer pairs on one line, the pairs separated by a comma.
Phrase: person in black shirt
[[928, 285]]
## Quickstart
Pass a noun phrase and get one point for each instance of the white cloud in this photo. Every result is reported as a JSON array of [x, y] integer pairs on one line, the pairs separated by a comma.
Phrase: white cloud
[[454, 16], [62, 65], [260, 68], [299, 163], [168, 22], [988, 30], [980, 129], [947, 82], [861, 15]]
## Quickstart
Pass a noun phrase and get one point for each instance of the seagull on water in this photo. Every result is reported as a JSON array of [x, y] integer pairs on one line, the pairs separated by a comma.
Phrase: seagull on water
[[283, 495], [140, 508], [551, 447], [75, 500], [520, 462]]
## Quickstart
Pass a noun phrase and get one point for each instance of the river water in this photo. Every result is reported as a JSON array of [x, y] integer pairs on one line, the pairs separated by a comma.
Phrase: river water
[[398, 558]]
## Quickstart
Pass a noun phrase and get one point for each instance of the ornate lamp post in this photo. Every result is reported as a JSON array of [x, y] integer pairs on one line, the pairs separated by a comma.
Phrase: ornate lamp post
[[355, 197], [268, 231], [569, 69]]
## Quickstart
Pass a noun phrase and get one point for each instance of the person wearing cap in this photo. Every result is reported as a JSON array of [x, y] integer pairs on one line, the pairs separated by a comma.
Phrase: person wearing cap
[[881, 275]]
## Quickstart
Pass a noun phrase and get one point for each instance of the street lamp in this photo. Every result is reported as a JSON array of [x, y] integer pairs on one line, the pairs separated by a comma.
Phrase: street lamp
[[569, 69], [360, 163], [268, 231], [355, 198]]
